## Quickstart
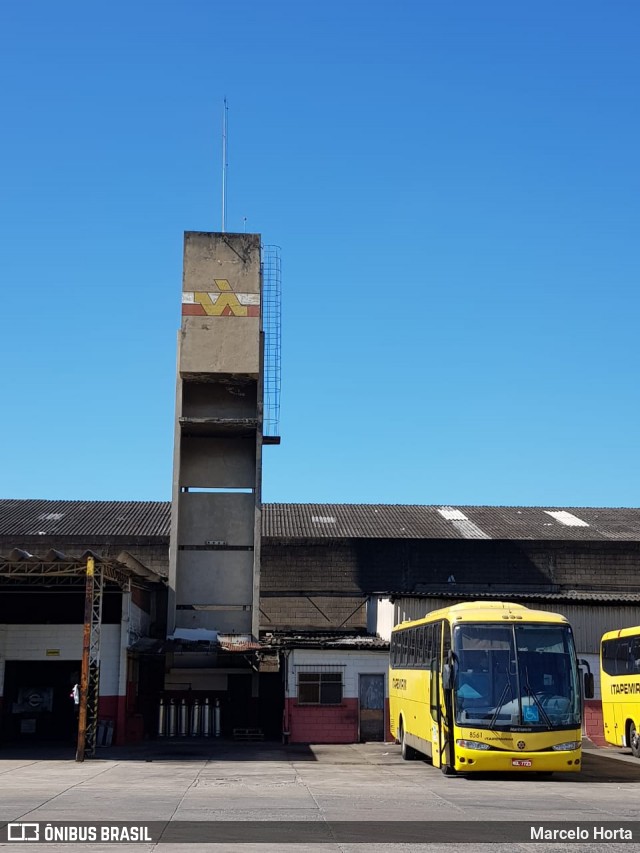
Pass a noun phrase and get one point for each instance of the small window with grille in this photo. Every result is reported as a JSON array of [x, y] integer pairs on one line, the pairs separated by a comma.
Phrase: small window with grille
[[319, 688]]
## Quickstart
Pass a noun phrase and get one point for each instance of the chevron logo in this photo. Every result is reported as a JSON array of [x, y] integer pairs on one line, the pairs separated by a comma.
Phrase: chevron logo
[[221, 302]]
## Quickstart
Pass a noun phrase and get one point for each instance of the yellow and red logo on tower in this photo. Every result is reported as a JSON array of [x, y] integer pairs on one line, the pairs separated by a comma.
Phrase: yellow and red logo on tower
[[221, 302]]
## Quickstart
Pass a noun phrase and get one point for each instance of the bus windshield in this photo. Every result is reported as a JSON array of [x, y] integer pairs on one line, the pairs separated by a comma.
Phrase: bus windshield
[[522, 675]]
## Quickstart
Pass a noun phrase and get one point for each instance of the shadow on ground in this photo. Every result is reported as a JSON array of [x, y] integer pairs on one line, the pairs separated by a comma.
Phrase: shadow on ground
[[178, 749], [604, 766], [595, 769]]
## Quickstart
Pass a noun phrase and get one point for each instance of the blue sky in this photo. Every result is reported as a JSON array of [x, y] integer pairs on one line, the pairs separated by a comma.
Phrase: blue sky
[[455, 190]]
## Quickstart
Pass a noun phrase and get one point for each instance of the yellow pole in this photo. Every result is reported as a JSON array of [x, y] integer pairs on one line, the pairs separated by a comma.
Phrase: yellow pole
[[84, 676]]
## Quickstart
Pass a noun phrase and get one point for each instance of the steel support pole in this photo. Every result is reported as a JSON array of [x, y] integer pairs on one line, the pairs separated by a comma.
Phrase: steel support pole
[[90, 676], [84, 674]]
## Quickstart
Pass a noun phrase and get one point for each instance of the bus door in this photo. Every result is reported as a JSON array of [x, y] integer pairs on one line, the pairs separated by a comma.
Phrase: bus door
[[434, 719], [435, 696], [447, 675]]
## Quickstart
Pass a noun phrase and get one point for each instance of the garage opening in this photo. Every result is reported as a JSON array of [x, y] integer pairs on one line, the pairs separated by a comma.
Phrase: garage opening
[[37, 705]]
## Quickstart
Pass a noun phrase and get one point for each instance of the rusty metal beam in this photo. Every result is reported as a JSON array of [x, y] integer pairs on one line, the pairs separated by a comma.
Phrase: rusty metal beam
[[27, 569], [84, 673], [90, 675], [93, 686]]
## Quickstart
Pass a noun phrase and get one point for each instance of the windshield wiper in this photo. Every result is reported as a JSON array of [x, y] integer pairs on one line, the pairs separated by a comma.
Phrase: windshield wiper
[[533, 696], [506, 687]]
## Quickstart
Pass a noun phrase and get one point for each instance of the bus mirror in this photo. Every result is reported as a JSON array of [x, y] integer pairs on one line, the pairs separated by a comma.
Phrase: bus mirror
[[449, 671], [588, 685]]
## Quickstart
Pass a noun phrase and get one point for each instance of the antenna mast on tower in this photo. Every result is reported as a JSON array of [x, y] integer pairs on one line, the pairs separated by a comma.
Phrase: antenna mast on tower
[[225, 165]]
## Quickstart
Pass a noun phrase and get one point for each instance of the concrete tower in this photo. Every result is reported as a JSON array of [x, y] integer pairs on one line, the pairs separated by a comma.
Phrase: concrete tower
[[217, 469]]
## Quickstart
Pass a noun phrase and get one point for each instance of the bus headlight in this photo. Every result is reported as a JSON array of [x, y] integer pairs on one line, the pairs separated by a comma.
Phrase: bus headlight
[[472, 744], [569, 744]]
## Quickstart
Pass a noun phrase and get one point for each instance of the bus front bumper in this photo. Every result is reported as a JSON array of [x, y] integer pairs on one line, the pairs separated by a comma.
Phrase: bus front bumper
[[501, 761]]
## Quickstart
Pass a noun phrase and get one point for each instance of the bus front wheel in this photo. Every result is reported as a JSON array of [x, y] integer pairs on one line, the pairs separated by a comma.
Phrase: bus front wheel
[[408, 752], [634, 740]]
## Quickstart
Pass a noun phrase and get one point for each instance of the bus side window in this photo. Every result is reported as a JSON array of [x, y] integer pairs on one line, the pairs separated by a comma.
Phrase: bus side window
[[608, 657], [635, 654], [428, 645], [412, 647], [446, 645], [420, 653], [622, 658]]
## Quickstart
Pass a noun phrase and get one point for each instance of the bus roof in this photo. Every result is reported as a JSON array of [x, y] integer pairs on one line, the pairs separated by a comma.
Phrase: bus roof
[[486, 611], [621, 632]]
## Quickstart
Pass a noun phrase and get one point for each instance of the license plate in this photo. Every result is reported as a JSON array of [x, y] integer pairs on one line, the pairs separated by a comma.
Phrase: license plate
[[521, 762]]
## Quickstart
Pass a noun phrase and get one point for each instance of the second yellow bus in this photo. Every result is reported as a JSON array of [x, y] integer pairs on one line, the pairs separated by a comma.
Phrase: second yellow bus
[[620, 687]]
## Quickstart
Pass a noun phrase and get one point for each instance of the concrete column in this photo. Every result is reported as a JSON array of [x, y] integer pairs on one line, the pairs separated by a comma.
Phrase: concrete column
[[216, 505]]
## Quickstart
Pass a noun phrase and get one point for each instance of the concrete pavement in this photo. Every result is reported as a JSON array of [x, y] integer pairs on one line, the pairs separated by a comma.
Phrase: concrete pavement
[[183, 780]]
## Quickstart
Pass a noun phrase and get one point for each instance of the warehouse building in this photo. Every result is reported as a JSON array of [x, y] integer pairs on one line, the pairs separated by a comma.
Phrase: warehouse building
[[334, 579], [45, 550], [215, 613]]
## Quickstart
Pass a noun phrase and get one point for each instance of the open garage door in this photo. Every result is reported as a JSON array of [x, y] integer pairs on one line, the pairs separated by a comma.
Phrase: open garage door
[[37, 705]]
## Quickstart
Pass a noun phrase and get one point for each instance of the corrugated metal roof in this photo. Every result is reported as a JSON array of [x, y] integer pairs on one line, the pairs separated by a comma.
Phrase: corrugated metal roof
[[23, 518], [562, 595], [399, 521], [85, 518], [338, 521]]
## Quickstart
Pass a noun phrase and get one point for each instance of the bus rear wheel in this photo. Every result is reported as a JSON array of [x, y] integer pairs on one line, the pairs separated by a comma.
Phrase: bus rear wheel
[[634, 740], [408, 752]]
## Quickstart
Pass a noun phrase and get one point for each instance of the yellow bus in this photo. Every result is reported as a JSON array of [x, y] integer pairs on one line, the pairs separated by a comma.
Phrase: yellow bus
[[488, 686], [620, 687]]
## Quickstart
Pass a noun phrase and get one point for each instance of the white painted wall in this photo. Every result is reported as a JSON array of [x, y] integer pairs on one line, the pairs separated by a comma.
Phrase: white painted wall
[[30, 642], [380, 616], [351, 664]]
